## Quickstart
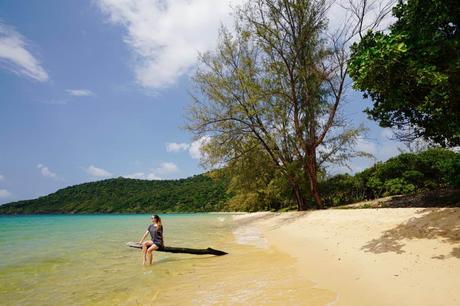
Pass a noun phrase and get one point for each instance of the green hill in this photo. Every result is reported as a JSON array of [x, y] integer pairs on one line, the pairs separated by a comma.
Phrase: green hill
[[199, 193], [434, 173]]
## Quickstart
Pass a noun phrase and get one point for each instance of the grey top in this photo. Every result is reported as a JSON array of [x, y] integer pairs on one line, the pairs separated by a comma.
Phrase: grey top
[[157, 236]]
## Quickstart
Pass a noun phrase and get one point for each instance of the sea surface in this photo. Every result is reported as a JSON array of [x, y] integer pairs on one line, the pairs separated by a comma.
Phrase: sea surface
[[84, 260]]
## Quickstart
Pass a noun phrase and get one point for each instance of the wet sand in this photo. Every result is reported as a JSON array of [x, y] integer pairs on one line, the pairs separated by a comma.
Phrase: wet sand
[[90, 264], [402, 256]]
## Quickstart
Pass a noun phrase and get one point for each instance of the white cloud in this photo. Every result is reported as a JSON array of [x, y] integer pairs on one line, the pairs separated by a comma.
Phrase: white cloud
[[387, 133], [143, 176], [80, 92], [45, 171], [388, 149], [381, 148], [195, 147], [167, 168], [137, 175], [367, 146], [166, 36], [2, 177], [177, 147], [97, 172], [152, 176], [15, 56], [339, 15], [4, 193]]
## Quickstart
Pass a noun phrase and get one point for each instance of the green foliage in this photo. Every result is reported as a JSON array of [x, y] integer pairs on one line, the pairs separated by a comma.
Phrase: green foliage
[[199, 193], [412, 73], [398, 186], [404, 174], [250, 184], [340, 189], [273, 86], [257, 184]]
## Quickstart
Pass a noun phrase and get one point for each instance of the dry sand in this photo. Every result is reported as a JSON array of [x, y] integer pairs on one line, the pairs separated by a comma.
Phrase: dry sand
[[393, 256]]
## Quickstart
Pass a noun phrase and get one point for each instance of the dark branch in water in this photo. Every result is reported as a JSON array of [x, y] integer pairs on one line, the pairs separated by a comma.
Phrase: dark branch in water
[[208, 251]]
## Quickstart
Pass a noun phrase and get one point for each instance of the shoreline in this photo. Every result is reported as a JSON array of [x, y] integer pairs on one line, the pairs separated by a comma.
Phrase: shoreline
[[130, 214], [387, 256]]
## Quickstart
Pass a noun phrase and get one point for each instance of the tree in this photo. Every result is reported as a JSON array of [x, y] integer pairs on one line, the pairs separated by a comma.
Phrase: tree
[[412, 73], [274, 85], [122, 195], [435, 169], [256, 183]]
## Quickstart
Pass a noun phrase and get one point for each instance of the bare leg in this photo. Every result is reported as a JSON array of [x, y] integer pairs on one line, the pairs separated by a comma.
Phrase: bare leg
[[145, 246], [150, 250]]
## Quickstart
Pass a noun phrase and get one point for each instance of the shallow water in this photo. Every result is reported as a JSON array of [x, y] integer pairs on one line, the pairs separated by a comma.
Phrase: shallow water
[[83, 260]]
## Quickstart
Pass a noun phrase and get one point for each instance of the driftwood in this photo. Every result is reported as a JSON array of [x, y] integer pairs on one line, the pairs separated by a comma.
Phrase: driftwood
[[208, 251]]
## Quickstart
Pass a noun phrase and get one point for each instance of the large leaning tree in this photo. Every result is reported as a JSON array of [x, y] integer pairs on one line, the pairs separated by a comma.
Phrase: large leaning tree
[[274, 87], [412, 72]]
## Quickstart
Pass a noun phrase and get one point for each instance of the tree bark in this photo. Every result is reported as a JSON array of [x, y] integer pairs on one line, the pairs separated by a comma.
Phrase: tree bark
[[300, 199], [208, 251], [313, 179], [314, 191]]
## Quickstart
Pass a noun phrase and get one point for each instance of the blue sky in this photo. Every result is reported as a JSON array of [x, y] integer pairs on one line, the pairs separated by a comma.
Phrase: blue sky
[[98, 89]]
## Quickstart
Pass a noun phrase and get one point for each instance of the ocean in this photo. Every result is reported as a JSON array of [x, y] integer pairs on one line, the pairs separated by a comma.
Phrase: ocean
[[84, 260]]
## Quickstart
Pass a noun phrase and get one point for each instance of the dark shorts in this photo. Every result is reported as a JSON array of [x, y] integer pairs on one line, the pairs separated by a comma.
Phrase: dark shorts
[[159, 246]]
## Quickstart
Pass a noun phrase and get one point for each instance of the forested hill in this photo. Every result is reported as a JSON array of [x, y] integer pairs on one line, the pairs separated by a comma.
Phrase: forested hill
[[199, 193]]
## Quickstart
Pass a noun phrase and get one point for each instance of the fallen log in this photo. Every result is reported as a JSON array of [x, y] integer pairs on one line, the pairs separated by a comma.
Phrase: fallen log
[[208, 251]]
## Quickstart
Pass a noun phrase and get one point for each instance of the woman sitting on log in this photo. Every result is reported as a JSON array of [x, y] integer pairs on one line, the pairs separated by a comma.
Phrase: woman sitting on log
[[156, 232]]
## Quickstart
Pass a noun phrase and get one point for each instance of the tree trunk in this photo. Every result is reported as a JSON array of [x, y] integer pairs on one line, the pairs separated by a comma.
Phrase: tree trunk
[[311, 169], [208, 251], [301, 205], [299, 198], [314, 191]]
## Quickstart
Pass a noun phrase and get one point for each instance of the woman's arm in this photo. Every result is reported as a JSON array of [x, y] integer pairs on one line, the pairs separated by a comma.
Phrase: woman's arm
[[143, 237]]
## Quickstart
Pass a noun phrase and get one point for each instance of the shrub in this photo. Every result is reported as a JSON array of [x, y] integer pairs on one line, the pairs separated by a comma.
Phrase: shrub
[[407, 173]]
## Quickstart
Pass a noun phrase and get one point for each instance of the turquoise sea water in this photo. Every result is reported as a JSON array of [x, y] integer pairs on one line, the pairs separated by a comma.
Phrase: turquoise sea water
[[83, 260]]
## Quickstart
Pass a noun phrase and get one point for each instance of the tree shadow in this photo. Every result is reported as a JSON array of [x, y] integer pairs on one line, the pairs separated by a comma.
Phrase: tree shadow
[[282, 219], [433, 198], [287, 218], [251, 218], [427, 199], [434, 223]]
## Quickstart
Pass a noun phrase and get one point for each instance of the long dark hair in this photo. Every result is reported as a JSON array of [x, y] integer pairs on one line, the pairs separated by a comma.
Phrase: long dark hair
[[158, 221]]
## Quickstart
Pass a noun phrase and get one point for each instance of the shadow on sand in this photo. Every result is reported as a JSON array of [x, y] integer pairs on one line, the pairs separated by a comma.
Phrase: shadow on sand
[[282, 218], [433, 223]]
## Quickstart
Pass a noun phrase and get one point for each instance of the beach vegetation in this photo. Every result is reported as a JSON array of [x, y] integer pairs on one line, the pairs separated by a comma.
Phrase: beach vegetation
[[411, 72], [121, 195], [407, 173], [274, 87], [262, 190]]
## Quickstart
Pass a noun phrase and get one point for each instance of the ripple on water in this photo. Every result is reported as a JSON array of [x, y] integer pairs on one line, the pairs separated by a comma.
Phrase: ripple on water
[[84, 260]]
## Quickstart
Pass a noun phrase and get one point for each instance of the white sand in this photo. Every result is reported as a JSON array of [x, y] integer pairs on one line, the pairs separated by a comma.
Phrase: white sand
[[401, 256]]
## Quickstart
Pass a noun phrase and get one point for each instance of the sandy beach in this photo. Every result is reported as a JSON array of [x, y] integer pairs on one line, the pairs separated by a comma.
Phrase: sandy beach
[[394, 256]]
